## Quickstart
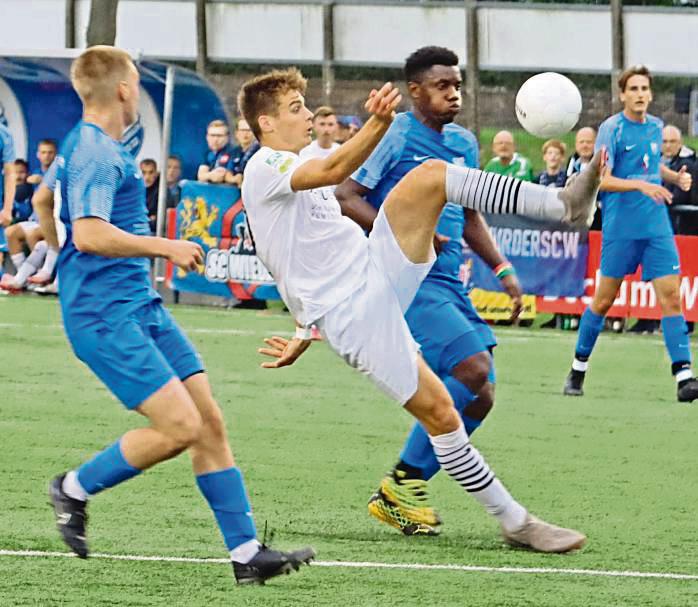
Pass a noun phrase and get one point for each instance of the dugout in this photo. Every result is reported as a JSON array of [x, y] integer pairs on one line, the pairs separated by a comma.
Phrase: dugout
[[37, 102]]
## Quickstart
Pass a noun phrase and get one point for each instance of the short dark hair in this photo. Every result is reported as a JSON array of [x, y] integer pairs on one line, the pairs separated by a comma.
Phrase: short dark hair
[[149, 162], [174, 157], [424, 58], [51, 142], [22, 162], [628, 73]]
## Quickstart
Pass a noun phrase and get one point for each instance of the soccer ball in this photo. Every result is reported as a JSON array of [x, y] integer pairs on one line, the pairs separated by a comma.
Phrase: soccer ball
[[548, 104]]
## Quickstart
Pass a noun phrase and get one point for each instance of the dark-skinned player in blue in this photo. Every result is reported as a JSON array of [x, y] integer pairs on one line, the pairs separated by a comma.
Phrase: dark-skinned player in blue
[[456, 343]]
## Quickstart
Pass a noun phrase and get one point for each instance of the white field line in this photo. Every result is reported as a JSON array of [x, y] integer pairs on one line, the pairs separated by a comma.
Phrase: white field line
[[371, 565]]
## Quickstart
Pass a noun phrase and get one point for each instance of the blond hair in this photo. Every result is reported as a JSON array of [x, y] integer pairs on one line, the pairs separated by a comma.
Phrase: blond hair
[[260, 96], [98, 71], [554, 143], [217, 123]]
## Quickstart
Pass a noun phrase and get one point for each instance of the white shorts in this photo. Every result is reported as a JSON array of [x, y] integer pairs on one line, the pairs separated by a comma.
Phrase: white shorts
[[368, 329], [28, 226]]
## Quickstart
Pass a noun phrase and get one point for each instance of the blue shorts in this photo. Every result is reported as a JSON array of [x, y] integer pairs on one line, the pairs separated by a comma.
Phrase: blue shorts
[[137, 355], [446, 325], [658, 257]]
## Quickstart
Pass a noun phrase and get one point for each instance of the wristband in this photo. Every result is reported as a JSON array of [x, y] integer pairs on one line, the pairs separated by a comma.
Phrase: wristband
[[503, 270], [304, 333]]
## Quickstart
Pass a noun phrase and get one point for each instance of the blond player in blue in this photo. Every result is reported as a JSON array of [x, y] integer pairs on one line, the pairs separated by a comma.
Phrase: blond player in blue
[[118, 327], [636, 230]]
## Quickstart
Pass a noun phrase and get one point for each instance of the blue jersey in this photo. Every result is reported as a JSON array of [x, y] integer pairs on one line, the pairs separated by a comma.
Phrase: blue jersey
[[223, 158], [97, 177], [407, 144], [7, 154], [634, 152]]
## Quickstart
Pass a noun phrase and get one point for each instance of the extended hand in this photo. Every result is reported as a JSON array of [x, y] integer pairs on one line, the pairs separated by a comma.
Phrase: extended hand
[[285, 351], [513, 289], [684, 179], [657, 193], [383, 103], [185, 254], [5, 218]]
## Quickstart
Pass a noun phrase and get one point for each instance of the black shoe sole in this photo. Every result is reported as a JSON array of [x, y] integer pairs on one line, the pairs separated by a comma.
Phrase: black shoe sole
[[80, 551], [304, 557]]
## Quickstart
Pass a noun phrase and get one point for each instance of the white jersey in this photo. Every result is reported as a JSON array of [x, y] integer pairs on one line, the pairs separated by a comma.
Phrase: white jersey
[[317, 256], [313, 150]]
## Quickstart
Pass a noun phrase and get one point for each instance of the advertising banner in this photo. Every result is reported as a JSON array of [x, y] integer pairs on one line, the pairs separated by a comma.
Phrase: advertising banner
[[213, 216], [636, 298]]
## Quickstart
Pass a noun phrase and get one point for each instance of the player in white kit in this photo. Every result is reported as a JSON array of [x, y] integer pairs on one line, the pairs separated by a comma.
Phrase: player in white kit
[[357, 289]]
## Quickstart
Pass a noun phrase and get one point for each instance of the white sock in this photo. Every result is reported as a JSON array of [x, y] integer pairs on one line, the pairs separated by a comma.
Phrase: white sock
[[32, 264], [50, 261], [683, 375], [580, 365], [17, 260], [73, 488], [463, 462], [244, 553], [492, 193]]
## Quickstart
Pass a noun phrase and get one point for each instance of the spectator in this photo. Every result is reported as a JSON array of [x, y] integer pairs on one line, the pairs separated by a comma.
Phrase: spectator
[[676, 155], [554, 175], [173, 176], [218, 166], [46, 154], [22, 209], [584, 142], [347, 127], [507, 161], [151, 180], [246, 148], [325, 127]]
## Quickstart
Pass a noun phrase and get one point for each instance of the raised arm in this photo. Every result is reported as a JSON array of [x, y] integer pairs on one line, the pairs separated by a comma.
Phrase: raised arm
[[339, 165], [350, 196]]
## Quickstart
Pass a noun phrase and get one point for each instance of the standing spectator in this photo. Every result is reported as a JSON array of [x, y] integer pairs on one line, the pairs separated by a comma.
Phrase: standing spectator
[[46, 154], [173, 175], [325, 127], [676, 155], [151, 181], [555, 174], [584, 142], [246, 148], [218, 165], [507, 161], [347, 127]]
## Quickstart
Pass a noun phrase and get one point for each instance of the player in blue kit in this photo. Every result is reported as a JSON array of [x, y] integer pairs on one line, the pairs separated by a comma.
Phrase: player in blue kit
[[637, 230], [7, 184], [118, 327], [456, 343]]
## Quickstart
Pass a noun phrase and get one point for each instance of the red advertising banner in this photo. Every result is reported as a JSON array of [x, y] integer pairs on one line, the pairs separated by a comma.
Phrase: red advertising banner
[[636, 298]]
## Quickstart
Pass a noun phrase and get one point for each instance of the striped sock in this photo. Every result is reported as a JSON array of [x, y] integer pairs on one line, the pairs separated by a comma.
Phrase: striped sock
[[463, 462]]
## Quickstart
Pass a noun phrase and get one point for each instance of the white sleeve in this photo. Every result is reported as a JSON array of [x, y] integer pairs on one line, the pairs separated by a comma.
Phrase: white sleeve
[[274, 173]]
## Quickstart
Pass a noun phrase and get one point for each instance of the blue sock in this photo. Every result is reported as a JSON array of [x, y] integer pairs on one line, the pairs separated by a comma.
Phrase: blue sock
[[676, 339], [106, 469], [589, 328], [418, 451], [225, 493]]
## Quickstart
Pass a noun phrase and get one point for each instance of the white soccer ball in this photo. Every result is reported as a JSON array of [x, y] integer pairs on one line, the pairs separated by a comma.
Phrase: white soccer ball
[[548, 104]]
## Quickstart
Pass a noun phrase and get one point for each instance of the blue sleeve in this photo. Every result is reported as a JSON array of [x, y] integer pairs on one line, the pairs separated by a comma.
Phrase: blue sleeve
[[473, 159], [7, 146], [607, 137], [383, 158], [49, 178], [94, 175]]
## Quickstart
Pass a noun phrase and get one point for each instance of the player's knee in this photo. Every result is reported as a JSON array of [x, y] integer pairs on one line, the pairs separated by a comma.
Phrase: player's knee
[[213, 426], [441, 415], [185, 431], [602, 304], [474, 371], [432, 171]]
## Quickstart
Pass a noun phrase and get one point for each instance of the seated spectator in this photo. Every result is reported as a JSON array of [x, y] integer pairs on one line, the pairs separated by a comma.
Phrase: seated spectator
[[554, 175], [218, 165], [151, 181], [46, 154], [676, 155], [22, 209], [325, 128], [246, 148], [174, 174], [507, 161]]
